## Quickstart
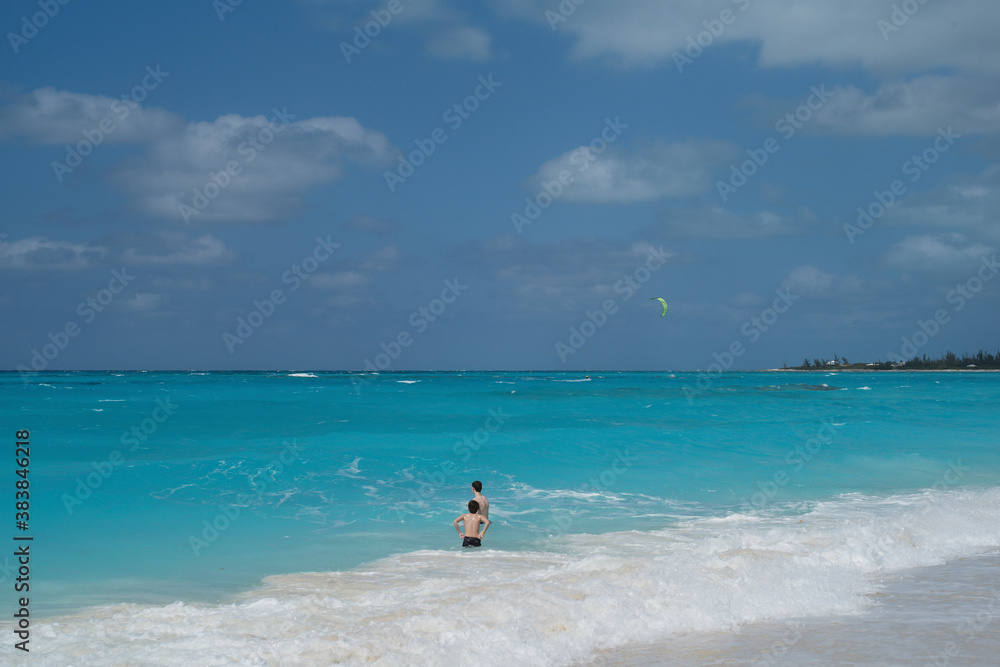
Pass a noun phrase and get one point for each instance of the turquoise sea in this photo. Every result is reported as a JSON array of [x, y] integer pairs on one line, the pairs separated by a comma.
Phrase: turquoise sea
[[304, 518]]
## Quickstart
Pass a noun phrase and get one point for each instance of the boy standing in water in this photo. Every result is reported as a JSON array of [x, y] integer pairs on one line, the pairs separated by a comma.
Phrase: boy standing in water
[[472, 537], [484, 505]]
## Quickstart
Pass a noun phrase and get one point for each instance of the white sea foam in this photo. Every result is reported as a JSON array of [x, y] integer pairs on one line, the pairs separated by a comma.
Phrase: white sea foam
[[555, 606], [166, 493], [520, 491], [408, 381], [351, 470], [302, 375]]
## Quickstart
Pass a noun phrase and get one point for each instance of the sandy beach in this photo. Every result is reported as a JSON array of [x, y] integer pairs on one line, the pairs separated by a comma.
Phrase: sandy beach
[[945, 615]]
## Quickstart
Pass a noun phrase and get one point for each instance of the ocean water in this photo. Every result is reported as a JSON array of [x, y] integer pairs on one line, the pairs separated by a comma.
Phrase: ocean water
[[305, 518]]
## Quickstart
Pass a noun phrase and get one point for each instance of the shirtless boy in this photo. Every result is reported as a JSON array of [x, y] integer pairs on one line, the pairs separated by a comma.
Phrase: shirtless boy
[[477, 495], [472, 537]]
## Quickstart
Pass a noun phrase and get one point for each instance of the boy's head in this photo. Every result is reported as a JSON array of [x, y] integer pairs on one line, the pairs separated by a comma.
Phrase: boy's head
[[477, 486], [473, 507]]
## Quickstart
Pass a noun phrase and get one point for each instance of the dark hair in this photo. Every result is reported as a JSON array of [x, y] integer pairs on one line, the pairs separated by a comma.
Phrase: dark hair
[[473, 507], [478, 486]]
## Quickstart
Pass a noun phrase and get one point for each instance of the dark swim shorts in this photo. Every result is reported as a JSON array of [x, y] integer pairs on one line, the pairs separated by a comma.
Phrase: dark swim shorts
[[472, 542]]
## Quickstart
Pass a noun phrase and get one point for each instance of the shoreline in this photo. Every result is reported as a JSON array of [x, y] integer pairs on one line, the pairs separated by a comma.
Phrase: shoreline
[[835, 369], [939, 614], [831, 369]]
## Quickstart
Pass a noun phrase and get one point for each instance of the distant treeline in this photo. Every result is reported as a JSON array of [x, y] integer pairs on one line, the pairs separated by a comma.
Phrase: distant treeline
[[950, 360]]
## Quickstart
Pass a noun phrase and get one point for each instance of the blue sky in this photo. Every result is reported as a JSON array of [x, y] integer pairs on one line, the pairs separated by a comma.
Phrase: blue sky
[[498, 185]]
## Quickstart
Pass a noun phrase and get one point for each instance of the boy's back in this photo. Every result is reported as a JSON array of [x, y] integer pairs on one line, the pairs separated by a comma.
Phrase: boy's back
[[473, 520], [477, 494]]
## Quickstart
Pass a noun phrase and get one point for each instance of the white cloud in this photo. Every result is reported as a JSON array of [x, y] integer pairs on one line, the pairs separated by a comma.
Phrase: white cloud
[[443, 25], [718, 222], [144, 301], [936, 252], [276, 164], [957, 37], [52, 117], [340, 280], [920, 106], [970, 203], [425, 11], [656, 172], [387, 258], [746, 300], [173, 248], [808, 281], [955, 34], [278, 159], [460, 42], [564, 274], [812, 282], [354, 279], [38, 252], [960, 34]]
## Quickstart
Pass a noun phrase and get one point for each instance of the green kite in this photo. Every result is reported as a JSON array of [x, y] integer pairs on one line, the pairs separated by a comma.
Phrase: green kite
[[656, 298]]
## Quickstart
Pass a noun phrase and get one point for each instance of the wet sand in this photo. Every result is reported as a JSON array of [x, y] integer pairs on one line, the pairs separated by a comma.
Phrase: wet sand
[[939, 616]]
